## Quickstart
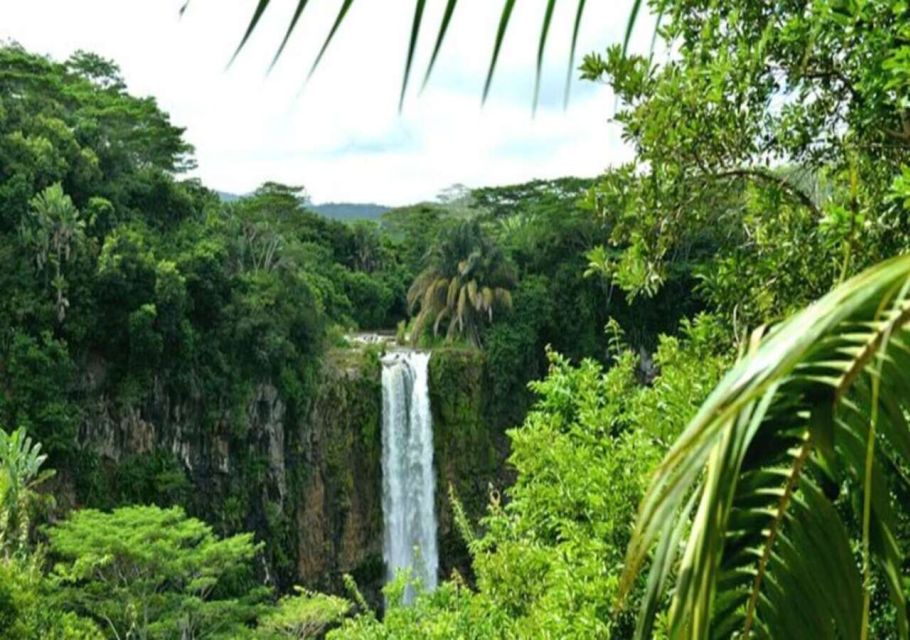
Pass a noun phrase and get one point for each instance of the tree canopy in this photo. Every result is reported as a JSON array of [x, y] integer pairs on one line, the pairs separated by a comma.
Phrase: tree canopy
[[154, 573], [763, 227]]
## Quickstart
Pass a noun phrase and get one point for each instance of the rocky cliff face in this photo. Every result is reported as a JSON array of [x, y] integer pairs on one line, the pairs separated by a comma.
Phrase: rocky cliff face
[[306, 477], [338, 498], [467, 459]]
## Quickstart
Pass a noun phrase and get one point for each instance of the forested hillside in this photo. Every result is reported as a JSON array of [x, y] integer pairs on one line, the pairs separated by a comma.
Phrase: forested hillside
[[168, 347], [669, 401]]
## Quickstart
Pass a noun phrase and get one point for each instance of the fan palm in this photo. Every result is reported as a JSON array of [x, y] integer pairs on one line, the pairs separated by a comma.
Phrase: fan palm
[[467, 277], [788, 475]]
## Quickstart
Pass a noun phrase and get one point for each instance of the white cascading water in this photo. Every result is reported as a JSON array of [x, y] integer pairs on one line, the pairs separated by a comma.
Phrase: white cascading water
[[408, 480]]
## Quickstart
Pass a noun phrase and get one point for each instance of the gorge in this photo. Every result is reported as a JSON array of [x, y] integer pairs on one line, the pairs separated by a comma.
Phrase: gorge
[[311, 479]]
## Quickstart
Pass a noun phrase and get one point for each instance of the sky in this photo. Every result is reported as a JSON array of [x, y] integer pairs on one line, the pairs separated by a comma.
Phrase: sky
[[340, 134]]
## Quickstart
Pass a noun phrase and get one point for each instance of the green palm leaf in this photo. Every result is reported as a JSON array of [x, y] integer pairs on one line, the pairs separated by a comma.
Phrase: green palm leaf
[[454, 289], [439, 318], [443, 29], [473, 298], [301, 5], [412, 47], [416, 25], [497, 46], [633, 16], [254, 21], [820, 401], [579, 13], [544, 31], [342, 13]]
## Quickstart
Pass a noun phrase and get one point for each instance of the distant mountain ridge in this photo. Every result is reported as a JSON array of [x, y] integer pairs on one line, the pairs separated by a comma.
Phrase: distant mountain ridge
[[343, 211], [347, 211], [228, 197]]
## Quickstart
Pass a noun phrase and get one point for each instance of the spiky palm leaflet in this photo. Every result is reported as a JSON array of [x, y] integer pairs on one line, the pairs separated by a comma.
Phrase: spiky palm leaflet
[[786, 476], [445, 21]]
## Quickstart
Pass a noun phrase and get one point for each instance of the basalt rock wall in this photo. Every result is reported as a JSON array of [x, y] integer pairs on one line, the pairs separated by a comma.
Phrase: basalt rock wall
[[305, 476]]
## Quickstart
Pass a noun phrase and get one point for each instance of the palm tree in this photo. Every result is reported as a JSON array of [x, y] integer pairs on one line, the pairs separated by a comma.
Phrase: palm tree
[[466, 278], [20, 475], [788, 477], [55, 230]]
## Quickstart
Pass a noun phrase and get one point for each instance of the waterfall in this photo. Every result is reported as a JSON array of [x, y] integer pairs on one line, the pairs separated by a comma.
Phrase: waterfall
[[408, 480]]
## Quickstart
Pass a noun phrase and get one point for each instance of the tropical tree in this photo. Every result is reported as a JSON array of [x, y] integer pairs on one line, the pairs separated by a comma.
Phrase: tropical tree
[[26, 609], [466, 278], [792, 475], [773, 127], [148, 572], [303, 615], [368, 252], [20, 475], [55, 231]]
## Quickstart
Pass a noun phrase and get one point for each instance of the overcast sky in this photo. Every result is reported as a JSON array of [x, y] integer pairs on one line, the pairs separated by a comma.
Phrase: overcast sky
[[341, 135]]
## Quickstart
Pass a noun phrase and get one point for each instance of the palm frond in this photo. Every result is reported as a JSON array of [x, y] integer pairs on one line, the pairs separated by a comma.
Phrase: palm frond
[[301, 5], [440, 36], [454, 288], [434, 296], [497, 46], [460, 307], [412, 47], [473, 298], [420, 322], [487, 294], [254, 21], [630, 25], [541, 46], [579, 13], [342, 13], [768, 552], [418, 288], [442, 31], [439, 318], [503, 297], [439, 296], [465, 276]]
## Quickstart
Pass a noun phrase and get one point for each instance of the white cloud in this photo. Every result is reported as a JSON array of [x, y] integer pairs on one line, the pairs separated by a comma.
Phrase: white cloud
[[342, 136]]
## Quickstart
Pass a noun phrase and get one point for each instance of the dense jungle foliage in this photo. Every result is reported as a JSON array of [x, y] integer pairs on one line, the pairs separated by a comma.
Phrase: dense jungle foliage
[[714, 442]]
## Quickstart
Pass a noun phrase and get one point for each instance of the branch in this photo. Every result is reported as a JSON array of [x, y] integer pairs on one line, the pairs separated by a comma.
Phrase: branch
[[778, 181], [902, 134]]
